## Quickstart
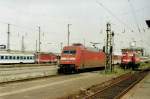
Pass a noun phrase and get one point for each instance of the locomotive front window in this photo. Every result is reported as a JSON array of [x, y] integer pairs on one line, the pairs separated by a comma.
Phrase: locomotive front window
[[69, 52], [66, 52], [73, 52]]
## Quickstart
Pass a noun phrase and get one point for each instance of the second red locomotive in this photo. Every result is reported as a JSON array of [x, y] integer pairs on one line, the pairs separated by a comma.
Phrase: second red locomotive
[[130, 58], [77, 57], [44, 57]]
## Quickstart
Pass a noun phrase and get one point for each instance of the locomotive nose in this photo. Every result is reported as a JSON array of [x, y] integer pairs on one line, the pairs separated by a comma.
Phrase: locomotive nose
[[67, 58]]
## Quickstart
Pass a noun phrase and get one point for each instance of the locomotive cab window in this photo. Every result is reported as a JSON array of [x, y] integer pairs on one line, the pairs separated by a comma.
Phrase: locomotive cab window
[[65, 52], [73, 52], [69, 52]]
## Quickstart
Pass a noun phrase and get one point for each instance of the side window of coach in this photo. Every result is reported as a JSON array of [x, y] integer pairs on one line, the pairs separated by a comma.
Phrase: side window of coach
[[14, 57], [6, 57], [10, 57], [2, 57], [28, 57], [18, 57]]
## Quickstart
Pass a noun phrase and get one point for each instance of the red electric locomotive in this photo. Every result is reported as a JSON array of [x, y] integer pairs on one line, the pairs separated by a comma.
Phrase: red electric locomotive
[[130, 59], [46, 58], [77, 57]]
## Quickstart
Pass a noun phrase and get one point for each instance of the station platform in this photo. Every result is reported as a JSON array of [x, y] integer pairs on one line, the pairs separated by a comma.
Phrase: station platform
[[22, 73], [140, 91]]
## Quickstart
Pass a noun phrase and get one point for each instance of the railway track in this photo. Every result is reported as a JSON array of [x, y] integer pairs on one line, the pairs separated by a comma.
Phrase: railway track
[[112, 89]]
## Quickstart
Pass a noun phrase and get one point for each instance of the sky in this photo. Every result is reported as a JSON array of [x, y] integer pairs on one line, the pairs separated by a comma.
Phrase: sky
[[88, 20]]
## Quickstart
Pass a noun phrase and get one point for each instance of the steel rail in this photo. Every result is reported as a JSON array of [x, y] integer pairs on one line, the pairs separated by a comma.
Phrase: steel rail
[[124, 84], [129, 87]]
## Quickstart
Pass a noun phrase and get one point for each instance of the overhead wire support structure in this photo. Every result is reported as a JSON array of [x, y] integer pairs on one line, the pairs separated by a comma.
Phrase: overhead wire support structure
[[109, 49], [39, 38], [39, 44], [22, 44], [8, 38], [68, 34]]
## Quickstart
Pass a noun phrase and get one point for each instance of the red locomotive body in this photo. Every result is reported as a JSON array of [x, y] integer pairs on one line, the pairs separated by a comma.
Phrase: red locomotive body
[[46, 58], [77, 57], [130, 59]]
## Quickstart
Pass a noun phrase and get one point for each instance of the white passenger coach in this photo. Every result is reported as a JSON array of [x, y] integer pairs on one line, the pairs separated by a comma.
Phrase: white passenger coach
[[13, 57]]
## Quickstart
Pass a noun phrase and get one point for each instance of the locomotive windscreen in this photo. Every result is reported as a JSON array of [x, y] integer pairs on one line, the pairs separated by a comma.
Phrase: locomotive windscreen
[[69, 52]]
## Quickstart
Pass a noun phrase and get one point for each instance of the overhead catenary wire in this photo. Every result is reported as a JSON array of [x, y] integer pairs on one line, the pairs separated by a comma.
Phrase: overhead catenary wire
[[25, 33], [112, 14], [136, 22], [118, 19], [18, 26], [134, 15]]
